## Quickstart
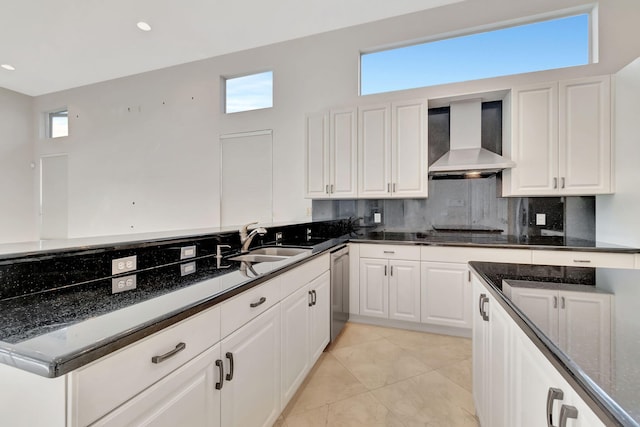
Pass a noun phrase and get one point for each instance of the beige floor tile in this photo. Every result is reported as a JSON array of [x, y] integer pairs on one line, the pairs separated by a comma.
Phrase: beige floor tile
[[362, 410], [328, 382], [280, 422], [432, 349], [358, 333], [459, 373], [428, 400], [378, 363], [313, 418]]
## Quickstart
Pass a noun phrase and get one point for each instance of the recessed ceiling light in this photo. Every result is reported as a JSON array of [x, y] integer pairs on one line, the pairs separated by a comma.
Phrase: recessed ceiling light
[[144, 26], [8, 67]]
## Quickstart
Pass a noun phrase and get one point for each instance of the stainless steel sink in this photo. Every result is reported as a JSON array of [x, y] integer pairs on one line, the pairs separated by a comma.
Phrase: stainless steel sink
[[280, 251], [270, 254], [258, 258]]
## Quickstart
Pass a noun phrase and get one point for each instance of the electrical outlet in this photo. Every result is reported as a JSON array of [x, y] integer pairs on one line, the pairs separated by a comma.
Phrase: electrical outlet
[[187, 268], [124, 283], [187, 252], [377, 217], [309, 211], [541, 219], [122, 265]]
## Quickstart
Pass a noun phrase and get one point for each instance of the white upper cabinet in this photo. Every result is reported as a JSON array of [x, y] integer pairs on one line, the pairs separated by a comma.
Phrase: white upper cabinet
[[392, 150], [331, 155], [560, 139]]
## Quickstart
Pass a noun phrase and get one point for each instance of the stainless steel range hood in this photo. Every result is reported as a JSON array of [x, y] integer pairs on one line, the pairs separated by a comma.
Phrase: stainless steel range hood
[[466, 157]]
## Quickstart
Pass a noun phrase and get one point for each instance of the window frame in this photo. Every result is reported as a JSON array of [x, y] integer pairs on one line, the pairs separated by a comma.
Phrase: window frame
[[224, 91], [49, 117]]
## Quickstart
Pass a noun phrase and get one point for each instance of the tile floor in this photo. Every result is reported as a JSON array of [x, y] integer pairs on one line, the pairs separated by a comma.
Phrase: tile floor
[[375, 376]]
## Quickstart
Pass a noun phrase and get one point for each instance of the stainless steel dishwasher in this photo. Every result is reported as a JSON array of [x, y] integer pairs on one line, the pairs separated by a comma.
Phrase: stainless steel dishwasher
[[339, 290]]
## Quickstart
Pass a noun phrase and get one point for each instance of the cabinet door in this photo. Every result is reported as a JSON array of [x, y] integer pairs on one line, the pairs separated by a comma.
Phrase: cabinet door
[[188, 396], [479, 347], [534, 140], [540, 306], [295, 341], [374, 288], [404, 290], [446, 294], [585, 332], [499, 362], [320, 312], [585, 136], [343, 161], [317, 156], [251, 392], [409, 149], [374, 151]]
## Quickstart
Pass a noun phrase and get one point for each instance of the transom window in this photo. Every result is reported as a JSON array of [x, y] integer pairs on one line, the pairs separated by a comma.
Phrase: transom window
[[246, 93]]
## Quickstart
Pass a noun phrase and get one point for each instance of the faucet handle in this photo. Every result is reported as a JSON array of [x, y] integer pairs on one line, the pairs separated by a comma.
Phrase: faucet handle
[[245, 228]]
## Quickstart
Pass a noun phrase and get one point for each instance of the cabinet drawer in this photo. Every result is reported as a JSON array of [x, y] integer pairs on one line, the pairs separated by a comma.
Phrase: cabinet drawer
[[464, 255], [583, 259], [408, 252], [105, 384], [239, 310], [294, 279]]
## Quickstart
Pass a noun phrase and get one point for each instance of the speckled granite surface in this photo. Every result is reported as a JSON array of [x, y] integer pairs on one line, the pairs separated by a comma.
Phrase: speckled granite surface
[[612, 382]]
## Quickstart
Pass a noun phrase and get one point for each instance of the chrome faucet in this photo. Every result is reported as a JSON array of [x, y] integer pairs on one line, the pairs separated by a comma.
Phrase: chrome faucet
[[246, 237]]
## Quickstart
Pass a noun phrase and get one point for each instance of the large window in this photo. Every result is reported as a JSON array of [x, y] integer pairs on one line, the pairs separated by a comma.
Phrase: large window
[[251, 92], [546, 45]]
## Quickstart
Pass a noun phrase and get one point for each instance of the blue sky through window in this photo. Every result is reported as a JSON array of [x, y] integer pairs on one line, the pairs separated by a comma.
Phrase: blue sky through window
[[539, 46], [250, 92]]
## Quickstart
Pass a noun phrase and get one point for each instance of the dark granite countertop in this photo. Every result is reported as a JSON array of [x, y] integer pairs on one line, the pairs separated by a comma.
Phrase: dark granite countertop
[[52, 332], [612, 388], [491, 240]]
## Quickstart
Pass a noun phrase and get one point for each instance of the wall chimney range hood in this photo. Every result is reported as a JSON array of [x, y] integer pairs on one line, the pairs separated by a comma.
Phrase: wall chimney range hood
[[466, 158]]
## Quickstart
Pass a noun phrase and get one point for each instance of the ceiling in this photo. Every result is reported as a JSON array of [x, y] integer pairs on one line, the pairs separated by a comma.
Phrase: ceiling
[[61, 44]]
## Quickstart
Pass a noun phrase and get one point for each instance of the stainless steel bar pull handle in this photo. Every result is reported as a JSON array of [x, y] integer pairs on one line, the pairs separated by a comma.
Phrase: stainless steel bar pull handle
[[159, 359], [385, 270], [555, 183], [485, 315], [389, 187], [566, 412], [480, 304], [552, 395], [389, 252], [562, 182], [261, 301], [562, 303], [229, 356], [331, 189], [582, 261], [310, 298], [220, 366], [394, 187], [392, 270], [315, 296], [555, 302], [326, 189]]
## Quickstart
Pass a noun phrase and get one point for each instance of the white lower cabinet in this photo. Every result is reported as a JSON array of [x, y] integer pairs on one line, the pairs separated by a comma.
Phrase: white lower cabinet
[[189, 396], [445, 294], [514, 384], [305, 332], [251, 390], [390, 289]]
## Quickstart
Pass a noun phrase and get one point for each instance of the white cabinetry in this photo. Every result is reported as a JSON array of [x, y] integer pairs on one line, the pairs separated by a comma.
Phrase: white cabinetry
[[189, 396], [491, 365], [392, 150], [514, 384], [445, 294], [251, 391], [331, 155], [390, 288], [579, 322], [561, 139]]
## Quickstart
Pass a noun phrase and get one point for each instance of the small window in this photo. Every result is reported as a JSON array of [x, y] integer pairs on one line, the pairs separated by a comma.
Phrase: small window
[[58, 123], [545, 45], [252, 92]]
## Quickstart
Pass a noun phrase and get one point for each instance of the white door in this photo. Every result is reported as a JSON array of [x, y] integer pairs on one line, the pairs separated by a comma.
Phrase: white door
[[499, 363], [446, 294], [534, 140], [374, 151], [190, 396], [374, 287], [540, 306], [343, 159], [585, 332], [320, 314], [409, 149], [479, 346], [251, 392], [404, 290], [317, 156], [585, 136], [295, 341]]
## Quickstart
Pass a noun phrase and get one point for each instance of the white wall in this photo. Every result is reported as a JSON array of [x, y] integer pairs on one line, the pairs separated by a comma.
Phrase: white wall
[[153, 139], [618, 215], [18, 214]]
